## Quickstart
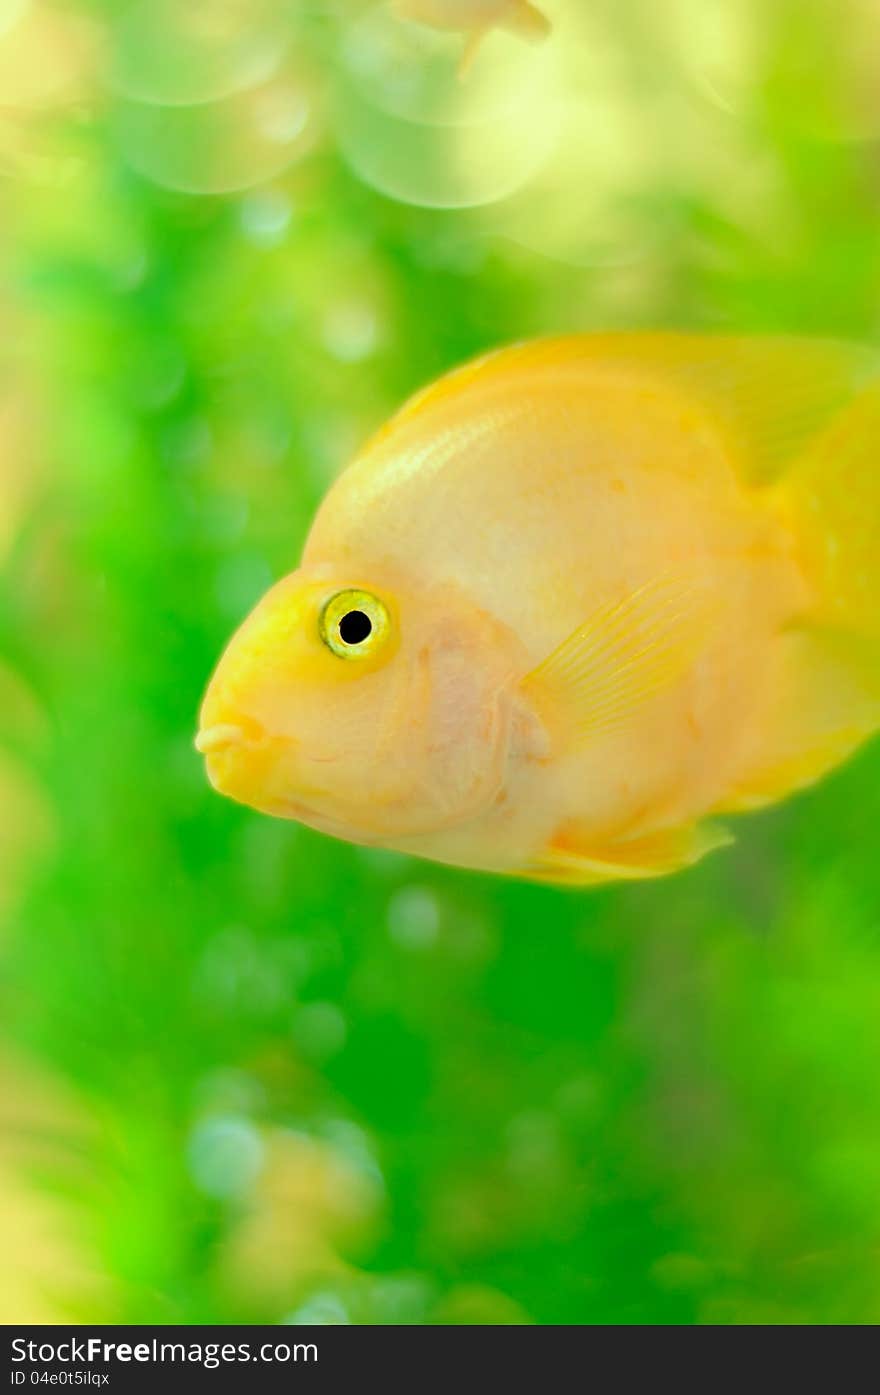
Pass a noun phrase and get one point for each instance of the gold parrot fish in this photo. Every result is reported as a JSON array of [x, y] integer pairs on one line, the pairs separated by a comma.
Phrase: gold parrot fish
[[476, 18], [573, 602]]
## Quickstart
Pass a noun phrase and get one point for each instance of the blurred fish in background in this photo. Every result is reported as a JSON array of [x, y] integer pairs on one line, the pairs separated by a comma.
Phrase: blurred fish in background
[[476, 18], [253, 1075]]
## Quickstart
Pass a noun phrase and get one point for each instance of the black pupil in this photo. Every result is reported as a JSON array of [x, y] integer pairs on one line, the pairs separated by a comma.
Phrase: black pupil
[[354, 627]]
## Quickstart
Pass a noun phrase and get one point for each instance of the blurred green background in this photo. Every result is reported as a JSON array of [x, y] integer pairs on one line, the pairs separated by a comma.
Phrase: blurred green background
[[249, 1074]]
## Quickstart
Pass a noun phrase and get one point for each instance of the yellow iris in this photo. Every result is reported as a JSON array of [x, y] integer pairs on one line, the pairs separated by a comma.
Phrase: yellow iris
[[355, 624]]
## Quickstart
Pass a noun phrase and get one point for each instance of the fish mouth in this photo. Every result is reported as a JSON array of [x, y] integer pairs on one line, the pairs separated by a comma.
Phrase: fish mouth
[[244, 731], [240, 757], [219, 738]]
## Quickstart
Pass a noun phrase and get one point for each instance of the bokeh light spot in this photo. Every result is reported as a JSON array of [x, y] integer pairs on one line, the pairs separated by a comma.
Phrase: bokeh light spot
[[172, 54], [225, 1156]]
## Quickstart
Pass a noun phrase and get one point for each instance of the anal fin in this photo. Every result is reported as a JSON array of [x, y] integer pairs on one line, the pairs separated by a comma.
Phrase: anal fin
[[572, 858]]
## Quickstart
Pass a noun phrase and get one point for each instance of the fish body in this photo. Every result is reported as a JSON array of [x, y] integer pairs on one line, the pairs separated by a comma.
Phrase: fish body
[[574, 602]]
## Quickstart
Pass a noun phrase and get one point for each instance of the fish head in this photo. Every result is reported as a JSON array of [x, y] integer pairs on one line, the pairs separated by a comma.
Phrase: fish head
[[366, 708]]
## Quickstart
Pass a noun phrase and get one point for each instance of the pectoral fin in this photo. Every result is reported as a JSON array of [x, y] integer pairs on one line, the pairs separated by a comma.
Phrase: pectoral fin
[[572, 859], [624, 654]]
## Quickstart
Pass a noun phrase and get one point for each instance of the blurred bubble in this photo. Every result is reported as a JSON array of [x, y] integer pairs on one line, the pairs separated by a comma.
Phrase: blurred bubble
[[350, 331], [718, 46], [234, 975], [584, 207], [445, 166], [606, 194], [265, 217], [319, 1030], [413, 129], [281, 113], [414, 917], [47, 56], [324, 1309], [828, 75], [413, 72], [225, 1156], [310, 1205], [353, 1144], [221, 147], [172, 54]]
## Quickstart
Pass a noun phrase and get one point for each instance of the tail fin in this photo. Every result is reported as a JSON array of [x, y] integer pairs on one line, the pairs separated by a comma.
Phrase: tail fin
[[826, 688], [832, 500]]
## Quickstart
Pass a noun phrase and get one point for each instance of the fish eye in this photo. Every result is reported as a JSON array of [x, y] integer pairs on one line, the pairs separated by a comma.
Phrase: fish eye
[[354, 624]]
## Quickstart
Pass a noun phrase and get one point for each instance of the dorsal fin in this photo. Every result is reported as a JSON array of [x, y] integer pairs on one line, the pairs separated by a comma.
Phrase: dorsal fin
[[769, 395]]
